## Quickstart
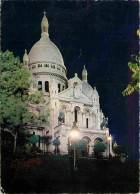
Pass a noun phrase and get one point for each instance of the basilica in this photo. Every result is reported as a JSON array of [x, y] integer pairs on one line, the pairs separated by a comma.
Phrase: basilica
[[68, 100]]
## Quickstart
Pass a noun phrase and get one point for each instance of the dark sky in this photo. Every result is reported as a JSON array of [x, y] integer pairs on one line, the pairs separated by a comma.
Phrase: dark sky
[[105, 35]]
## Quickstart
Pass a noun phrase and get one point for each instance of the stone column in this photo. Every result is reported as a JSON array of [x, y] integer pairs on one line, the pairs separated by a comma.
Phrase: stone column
[[69, 118], [84, 120], [93, 122], [89, 122], [79, 119], [43, 86], [72, 119], [90, 148]]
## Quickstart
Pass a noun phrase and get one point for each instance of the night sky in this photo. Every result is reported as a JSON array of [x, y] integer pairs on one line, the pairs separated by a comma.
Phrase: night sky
[[100, 35]]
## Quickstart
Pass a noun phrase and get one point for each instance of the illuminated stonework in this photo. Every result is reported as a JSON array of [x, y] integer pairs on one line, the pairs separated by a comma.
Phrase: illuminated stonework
[[74, 99]]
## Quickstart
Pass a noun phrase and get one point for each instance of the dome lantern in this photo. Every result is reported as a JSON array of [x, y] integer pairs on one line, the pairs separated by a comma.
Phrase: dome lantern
[[25, 58], [84, 74], [45, 25]]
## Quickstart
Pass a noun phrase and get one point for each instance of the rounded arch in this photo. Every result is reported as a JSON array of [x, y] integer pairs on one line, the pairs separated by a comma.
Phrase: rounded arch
[[98, 139], [87, 139], [76, 110]]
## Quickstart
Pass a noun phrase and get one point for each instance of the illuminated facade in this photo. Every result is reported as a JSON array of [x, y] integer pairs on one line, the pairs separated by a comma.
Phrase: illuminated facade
[[68, 100]]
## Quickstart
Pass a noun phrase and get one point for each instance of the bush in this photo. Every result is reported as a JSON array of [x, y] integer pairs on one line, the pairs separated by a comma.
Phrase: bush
[[119, 150], [98, 149]]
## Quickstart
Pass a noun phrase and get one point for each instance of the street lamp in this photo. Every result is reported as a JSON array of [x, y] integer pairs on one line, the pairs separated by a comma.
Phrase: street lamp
[[109, 139], [74, 133]]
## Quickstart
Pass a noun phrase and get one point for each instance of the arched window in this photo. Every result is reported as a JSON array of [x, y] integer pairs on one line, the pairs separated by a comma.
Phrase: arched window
[[76, 110], [63, 87], [86, 122], [46, 86], [59, 86], [39, 85], [75, 115], [98, 139], [39, 65], [46, 65]]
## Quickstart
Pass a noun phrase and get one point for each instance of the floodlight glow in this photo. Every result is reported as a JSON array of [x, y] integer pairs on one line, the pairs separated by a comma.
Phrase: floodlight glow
[[74, 134], [109, 138]]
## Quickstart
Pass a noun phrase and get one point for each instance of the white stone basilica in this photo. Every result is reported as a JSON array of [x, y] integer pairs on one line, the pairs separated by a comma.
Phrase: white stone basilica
[[68, 100]]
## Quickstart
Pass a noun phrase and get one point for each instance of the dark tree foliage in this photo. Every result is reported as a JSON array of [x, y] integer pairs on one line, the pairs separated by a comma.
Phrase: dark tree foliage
[[119, 150], [15, 83]]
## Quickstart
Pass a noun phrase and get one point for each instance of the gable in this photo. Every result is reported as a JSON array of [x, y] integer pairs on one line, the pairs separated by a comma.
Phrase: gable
[[67, 95]]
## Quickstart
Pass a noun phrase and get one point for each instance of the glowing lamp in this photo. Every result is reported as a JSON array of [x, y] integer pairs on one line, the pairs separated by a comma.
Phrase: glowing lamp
[[109, 138], [74, 131]]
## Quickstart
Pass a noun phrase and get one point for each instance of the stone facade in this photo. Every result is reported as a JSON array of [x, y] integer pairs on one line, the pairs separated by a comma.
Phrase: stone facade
[[74, 99]]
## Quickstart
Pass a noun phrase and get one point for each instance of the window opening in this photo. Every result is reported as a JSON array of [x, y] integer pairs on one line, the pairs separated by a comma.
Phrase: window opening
[[46, 86], [59, 88], [39, 85], [39, 65], [86, 122], [75, 114]]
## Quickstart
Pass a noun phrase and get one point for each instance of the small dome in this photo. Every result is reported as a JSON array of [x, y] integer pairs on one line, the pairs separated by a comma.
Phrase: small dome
[[45, 51]]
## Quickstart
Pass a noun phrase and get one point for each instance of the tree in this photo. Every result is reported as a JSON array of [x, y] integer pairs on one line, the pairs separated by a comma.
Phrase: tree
[[15, 83], [119, 150], [80, 144], [98, 148], [133, 86], [56, 143], [33, 139]]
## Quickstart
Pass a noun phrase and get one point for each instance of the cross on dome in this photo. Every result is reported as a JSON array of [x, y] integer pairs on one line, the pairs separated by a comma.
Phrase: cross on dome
[[44, 13]]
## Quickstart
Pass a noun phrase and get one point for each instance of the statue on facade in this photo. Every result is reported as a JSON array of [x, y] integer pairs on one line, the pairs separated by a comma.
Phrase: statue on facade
[[104, 122], [61, 117]]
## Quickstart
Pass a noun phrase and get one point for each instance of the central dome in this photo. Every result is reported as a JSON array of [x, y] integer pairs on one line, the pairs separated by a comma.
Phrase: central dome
[[45, 51]]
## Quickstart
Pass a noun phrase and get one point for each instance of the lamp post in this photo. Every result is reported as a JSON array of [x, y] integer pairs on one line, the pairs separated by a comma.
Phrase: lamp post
[[74, 135], [109, 139]]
